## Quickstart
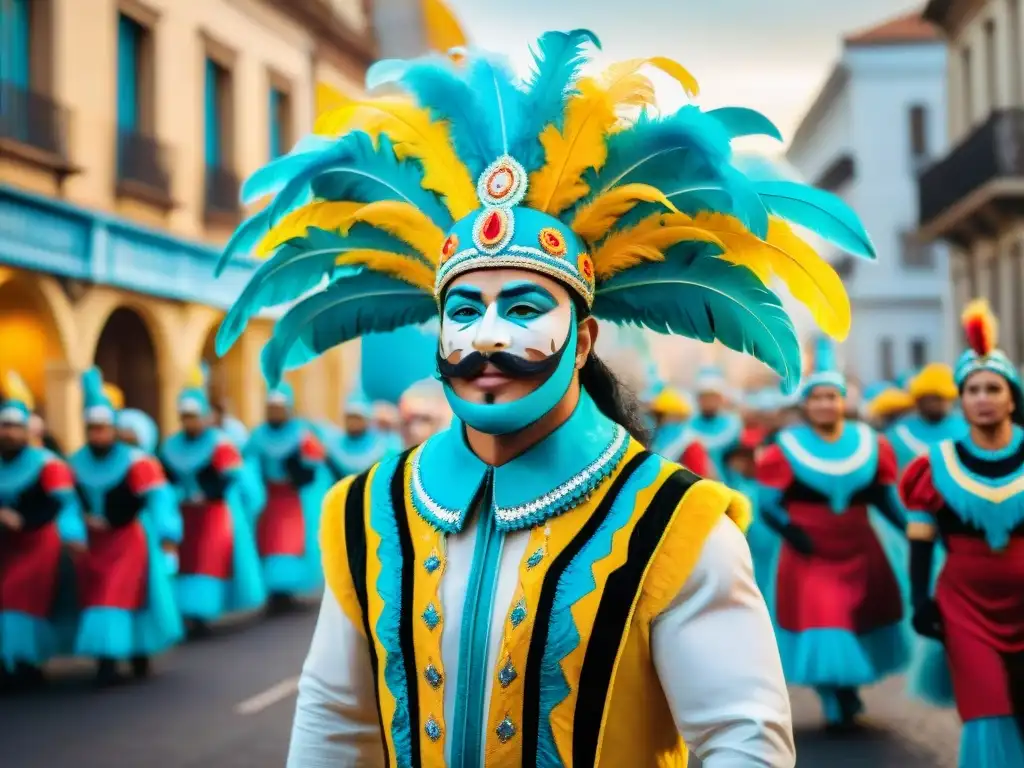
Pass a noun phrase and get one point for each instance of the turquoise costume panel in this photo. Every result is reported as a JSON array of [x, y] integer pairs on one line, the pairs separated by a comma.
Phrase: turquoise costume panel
[[351, 454], [719, 434], [912, 435]]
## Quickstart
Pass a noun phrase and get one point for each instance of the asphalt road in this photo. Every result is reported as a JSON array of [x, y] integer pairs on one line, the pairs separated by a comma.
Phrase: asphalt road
[[227, 702]]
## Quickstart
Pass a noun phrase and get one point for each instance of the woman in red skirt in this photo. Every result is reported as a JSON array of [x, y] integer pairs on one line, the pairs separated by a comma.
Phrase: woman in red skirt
[[125, 589], [970, 492], [838, 605]]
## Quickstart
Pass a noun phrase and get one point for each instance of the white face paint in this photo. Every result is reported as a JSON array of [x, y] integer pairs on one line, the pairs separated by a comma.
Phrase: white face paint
[[517, 312]]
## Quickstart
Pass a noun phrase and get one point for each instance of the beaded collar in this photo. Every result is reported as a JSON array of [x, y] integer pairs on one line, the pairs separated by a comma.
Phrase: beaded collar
[[550, 478]]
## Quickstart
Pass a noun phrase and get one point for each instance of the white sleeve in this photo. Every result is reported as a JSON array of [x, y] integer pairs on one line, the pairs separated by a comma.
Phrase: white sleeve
[[336, 717], [716, 657]]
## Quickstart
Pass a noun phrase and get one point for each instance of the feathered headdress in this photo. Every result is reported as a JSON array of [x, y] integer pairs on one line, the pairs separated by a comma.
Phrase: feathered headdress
[[101, 401], [825, 370], [17, 403], [643, 216], [981, 329], [671, 402]]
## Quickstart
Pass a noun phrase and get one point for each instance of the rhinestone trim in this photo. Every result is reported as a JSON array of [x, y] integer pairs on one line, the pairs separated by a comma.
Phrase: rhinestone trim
[[432, 563], [506, 730], [508, 232], [518, 615], [507, 674], [433, 728], [534, 560], [568, 493], [448, 520], [518, 256], [516, 191], [431, 617], [433, 677]]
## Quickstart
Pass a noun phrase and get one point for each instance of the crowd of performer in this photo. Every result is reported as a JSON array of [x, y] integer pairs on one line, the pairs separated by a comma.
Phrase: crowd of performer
[[132, 544], [903, 516]]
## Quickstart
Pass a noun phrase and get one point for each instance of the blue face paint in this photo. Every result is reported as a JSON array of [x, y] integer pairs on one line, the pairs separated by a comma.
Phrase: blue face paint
[[524, 316]]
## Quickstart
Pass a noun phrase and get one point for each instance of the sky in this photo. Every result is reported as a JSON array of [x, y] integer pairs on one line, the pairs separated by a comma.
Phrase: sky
[[770, 55]]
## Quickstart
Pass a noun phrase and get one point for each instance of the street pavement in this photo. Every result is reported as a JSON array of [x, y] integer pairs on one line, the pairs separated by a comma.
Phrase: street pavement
[[227, 702]]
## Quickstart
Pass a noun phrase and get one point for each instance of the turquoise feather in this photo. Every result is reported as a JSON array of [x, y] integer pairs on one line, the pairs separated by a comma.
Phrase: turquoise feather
[[741, 121], [244, 239], [367, 174], [502, 106], [299, 266], [276, 174], [824, 355], [440, 89], [821, 212], [364, 303], [92, 388], [708, 300]]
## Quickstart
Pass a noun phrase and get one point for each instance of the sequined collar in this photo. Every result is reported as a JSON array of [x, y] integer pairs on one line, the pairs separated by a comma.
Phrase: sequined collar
[[550, 478]]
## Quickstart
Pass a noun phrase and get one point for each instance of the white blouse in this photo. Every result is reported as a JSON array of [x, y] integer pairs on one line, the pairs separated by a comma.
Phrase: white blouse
[[714, 650]]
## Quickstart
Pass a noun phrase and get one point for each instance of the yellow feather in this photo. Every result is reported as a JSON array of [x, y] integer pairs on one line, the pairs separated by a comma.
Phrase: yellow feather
[[568, 154], [114, 395], [329, 98], [15, 388], [394, 264], [624, 79], [812, 281], [406, 222], [677, 72], [196, 379], [415, 135], [327, 215], [594, 219], [647, 241]]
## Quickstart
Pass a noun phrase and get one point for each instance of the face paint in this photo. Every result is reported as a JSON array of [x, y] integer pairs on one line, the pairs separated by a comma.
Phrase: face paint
[[506, 349]]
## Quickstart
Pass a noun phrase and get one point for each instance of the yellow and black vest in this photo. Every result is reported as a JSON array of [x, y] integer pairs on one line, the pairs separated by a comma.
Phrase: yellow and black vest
[[612, 711]]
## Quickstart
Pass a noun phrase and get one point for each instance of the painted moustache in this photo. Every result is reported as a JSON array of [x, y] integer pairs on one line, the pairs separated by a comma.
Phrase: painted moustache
[[513, 366]]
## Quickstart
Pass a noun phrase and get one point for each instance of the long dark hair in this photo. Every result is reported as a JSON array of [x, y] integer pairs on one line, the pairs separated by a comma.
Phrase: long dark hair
[[613, 398]]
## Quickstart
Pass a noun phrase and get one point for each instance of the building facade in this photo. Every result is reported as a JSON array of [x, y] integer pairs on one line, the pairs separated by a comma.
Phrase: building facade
[[125, 129], [973, 197], [878, 120]]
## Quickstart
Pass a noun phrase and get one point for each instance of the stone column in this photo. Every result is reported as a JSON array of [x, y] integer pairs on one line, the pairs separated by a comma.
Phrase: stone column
[[64, 404]]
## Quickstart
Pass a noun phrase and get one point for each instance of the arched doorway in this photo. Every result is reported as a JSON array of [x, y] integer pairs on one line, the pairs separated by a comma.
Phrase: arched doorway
[[30, 343], [126, 355]]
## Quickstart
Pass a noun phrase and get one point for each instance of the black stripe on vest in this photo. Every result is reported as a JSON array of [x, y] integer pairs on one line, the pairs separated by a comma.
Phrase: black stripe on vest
[[542, 625], [355, 546], [610, 624], [408, 607]]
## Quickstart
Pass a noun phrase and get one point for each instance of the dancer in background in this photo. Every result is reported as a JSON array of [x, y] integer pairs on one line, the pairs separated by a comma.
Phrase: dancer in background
[[126, 594], [39, 512], [839, 609], [219, 566], [719, 430], [933, 392], [357, 446], [292, 467], [673, 438], [387, 422], [424, 412], [884, 404], [968, 492]]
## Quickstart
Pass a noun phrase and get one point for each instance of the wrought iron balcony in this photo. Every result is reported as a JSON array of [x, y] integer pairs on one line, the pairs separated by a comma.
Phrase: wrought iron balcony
[[35, 121], [222, 188], [143, 167], [969, 192]]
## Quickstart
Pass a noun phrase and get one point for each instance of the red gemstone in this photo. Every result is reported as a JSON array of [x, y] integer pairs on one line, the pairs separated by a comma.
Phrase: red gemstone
[[492, 228]]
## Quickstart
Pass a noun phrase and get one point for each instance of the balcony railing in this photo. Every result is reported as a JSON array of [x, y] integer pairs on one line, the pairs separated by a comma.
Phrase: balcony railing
[[222, 187], [143, 165], [995, 150], [33, 119]]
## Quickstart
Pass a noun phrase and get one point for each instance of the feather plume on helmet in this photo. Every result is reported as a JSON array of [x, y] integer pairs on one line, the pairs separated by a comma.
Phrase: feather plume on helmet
[[643, 216]]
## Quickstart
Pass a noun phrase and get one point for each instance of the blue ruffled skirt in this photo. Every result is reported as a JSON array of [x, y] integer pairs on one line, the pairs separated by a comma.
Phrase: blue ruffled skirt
[[991, 742]]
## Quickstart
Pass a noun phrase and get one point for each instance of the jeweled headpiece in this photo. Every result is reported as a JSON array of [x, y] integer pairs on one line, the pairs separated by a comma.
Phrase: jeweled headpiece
[[643, 216]]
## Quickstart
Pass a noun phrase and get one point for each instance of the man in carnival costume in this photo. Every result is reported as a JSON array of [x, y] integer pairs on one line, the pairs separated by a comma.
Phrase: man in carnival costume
[[387, 422], [838, 603], [967, 492], [38, 513], [357, 446], [933, 392], [672, 436], [718, 430], [125, 591], [292, 466], [424, 412], [531, 585], [219, 567]]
